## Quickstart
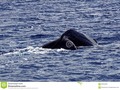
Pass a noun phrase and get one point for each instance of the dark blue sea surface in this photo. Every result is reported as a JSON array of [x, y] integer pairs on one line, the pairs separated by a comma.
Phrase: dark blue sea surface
[[25, 25]]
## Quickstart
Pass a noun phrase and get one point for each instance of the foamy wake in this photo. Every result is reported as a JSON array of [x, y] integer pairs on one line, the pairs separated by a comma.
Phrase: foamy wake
[[32, 50]]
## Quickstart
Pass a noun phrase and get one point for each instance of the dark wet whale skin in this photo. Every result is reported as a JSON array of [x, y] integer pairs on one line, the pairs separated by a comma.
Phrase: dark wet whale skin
[[71, 39]]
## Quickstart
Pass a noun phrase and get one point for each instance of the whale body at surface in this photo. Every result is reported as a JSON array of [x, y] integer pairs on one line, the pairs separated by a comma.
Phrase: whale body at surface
[[72, 40]]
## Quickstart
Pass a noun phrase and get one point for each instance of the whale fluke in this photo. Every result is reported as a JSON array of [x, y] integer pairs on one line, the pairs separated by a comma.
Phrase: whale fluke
[[71, 39]]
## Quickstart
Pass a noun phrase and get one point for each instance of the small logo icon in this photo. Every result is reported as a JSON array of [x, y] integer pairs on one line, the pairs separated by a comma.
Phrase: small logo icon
[[80, 83], [99, 86], [3, 85]]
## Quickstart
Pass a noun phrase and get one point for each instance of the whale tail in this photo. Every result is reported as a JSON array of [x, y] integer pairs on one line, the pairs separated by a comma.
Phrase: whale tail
[[61, 43], [71, 39]]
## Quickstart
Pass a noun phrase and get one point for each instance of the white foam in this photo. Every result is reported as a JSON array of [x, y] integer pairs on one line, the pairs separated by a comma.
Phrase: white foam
[[58, 50], [16, 52], [37, 50], [32, 50]]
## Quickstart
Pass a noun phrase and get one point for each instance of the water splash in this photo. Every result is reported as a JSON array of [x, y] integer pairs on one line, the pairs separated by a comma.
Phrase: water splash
[[32, 50]]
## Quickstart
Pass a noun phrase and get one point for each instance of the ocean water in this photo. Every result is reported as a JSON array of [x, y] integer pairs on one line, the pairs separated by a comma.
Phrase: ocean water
[[25, 25]]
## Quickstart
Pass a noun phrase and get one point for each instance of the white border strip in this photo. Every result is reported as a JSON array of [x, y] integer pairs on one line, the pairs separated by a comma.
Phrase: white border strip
[[61, 86]]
